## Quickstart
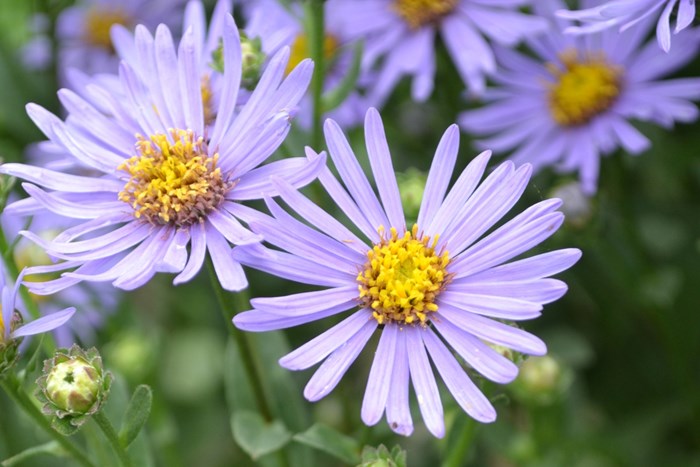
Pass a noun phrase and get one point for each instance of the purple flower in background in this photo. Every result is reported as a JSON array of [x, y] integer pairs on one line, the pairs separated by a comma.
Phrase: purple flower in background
[[94, 300], [572, 102], [442, 281], [402, 33], [176, 183], [10, 327], [277, 26], [627, 13], [83, 30]]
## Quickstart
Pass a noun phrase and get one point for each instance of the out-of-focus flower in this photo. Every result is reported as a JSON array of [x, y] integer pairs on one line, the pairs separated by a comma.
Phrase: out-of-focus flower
[[11, 328], [277, 27], [572, 103], [94, 300], [178, 181], [72, 387], [627, 13], [402, 34], [83, 30], [441, 281]]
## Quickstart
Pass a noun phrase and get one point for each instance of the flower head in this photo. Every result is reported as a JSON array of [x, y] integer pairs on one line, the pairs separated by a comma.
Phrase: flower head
[[572, 102], [165, 167], [443, 280], [402, 33], [627, 13], [84, 30], [11, 328]]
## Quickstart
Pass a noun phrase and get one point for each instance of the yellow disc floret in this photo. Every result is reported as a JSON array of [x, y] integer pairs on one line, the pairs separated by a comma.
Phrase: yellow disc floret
[[420, 12], [98, 22], [300, 50], [173, 180], [584, 89], [402, 277]]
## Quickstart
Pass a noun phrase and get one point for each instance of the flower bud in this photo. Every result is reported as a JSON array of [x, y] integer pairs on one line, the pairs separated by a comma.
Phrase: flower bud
[[411, 186], [72, 387], [541, 380], [9, 346], [382, 457], [252, 58], [576, 205]]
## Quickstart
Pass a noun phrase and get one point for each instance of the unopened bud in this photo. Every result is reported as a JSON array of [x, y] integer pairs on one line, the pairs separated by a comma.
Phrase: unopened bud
[[382, 457], [541, 380], [411, 187], [576, 205], [252, 59]]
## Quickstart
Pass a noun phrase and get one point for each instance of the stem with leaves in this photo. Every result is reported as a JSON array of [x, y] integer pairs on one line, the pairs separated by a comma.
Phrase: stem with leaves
[[111, 435]]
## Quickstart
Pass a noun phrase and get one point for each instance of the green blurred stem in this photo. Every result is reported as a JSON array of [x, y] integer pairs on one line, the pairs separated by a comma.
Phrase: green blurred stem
[[29, 453], [112, 437], [231, 304], [465, 440], [314, 12], [12, 388]]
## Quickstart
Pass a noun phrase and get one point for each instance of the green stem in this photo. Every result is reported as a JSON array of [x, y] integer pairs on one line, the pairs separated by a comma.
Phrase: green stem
[[29, 453], [465, 440], [314, 12], [12, 389], [111, 435], [230, 304]]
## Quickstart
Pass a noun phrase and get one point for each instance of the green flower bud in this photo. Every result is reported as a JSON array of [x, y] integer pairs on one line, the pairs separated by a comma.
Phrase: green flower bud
[[73, 387], [252, 59], [576, 206], [8, 348], [382, 457], [541, 380]]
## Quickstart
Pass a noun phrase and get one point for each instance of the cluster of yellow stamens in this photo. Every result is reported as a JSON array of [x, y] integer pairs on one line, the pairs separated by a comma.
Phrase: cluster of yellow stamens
[[584, 89], [98, 22], [173, 180], [420, 12], [300, 50], [402, 277]]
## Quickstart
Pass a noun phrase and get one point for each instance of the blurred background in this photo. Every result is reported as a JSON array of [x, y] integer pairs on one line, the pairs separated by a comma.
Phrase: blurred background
[[621, 383]]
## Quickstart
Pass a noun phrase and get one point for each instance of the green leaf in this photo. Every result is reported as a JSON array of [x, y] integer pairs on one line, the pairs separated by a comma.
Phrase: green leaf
[[255, 436], [137, 413], [52, 448], [337, 95], [64, 426], [328, 440]]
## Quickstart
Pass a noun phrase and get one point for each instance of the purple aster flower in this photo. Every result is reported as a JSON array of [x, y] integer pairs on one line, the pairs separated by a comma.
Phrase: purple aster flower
[[277, 26], [571, 103], [402, 32], [162, 177], [10, 319], [83, 30], [446, 282], [627, 13], [94, 300]]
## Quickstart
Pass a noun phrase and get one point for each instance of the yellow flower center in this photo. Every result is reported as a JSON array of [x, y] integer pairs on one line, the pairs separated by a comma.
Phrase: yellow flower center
[[98, 22], [300, 50], [173, 180], [583, 89], [402, 277], [420, 12]]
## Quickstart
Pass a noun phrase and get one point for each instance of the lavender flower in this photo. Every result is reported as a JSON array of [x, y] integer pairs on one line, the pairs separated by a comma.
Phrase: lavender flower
[[83, 30], [572, 103], [277, 26], [445, 276], [11, 329], [627, 13], [178, 181], [402, 32]]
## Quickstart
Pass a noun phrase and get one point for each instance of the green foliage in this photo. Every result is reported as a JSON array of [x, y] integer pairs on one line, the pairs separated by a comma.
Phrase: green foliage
[[256, 437], [136, 416], [326, 439]]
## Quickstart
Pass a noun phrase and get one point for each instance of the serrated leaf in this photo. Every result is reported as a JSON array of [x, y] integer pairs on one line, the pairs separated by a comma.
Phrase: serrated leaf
[[330, 441], [136, 416], [255, 436]]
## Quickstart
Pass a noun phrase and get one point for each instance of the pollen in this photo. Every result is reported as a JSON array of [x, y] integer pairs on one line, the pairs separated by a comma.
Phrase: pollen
[[173, 180], [403, 277], [584, 89], [98, 22], [418, 13], [300, 50]]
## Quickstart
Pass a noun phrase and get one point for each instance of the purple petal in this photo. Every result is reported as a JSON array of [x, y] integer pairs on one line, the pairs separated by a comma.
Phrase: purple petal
[[228, 270], [398, 409], [307, 302], [45, 323], [379, 381], [424, 382], [439, 176]]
